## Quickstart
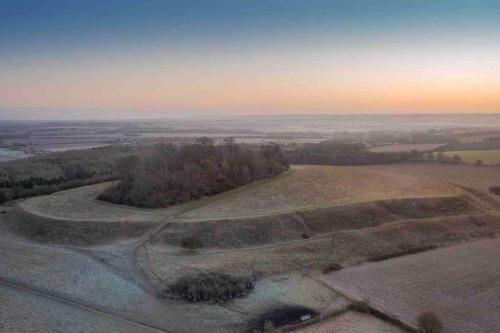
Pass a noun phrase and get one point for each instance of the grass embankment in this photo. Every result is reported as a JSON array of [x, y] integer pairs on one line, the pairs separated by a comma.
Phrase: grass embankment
[[70, 232], [272, 229]]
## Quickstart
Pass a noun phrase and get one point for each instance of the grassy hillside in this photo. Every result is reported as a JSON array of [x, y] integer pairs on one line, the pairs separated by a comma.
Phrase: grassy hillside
[[319, 186]]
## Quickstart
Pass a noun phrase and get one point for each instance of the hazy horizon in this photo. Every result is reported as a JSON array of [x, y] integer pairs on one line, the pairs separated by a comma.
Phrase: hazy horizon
[[49, 115], [128, 59]]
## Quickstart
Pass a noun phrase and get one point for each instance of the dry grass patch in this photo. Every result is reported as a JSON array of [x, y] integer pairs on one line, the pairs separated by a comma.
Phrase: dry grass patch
[[307, 187]]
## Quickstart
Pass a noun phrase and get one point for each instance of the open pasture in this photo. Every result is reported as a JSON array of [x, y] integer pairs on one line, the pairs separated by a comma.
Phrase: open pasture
[[470, 176]]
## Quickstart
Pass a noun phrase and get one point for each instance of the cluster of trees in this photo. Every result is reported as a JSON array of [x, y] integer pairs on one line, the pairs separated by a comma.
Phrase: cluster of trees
[[30, 182], [442, 158], [59, 171], [175, 174], [339, 153]]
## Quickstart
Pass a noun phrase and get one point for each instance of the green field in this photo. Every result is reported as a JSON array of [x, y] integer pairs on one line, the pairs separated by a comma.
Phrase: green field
[[471, 156]]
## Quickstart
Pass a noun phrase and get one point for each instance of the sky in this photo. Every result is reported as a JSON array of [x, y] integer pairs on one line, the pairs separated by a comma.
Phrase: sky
[[143, 59]]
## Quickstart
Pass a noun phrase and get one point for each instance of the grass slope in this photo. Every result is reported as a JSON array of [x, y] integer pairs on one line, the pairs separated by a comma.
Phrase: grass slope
[[307, 187]]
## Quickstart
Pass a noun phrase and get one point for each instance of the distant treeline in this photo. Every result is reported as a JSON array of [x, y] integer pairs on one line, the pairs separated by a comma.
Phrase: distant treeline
[[338, 153], [175, 174], [487, 144], [59, 171]]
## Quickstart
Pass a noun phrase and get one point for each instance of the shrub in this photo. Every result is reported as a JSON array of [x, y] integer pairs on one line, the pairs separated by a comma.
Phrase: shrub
[[495, 190], [3, 197], [214, 287], [191, 242], [428, 322], [331, 268], [360, 306], [457, 159]]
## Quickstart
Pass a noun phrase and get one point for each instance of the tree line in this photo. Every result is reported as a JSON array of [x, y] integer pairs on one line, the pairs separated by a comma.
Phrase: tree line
[[175, 174], [59, 171], [340, 153]]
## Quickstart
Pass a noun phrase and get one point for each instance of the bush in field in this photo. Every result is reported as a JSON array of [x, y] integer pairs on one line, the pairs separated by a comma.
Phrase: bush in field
[[191, 243], [214, 287], [457, 159], [331, 268], [360, 306], [495, 190], [428, 322]]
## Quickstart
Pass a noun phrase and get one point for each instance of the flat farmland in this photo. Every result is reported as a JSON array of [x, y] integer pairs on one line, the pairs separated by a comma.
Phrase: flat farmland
[[478, 178], [471, 156], [460, 283], [306, 187]]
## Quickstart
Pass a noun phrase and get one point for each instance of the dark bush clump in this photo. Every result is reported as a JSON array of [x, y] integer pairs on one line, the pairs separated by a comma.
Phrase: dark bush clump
[[331, 268], [495, 190], [360, 306], [213, 287], [191, 243], [428, 322]]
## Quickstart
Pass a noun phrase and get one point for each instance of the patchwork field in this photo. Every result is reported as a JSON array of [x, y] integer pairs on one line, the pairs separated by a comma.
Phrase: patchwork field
[[490, 157], [459, 283]]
